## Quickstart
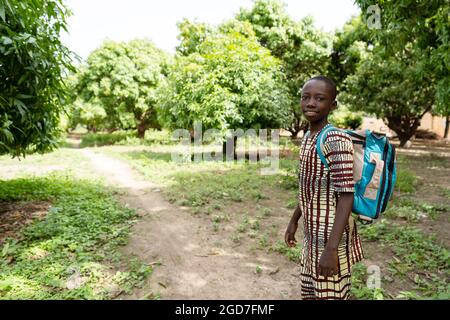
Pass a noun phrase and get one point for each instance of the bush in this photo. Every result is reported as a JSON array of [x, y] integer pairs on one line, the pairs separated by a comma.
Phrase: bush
[[103, 139], [343, 118], [426, 134]]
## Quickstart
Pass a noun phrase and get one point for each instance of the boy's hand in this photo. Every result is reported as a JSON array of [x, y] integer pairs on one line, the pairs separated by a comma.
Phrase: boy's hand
[[289, 236], [328, 263]]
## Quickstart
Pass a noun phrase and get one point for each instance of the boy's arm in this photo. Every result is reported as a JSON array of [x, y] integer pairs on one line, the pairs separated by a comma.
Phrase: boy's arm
[[339, 155], [328, 264], [289, 236]]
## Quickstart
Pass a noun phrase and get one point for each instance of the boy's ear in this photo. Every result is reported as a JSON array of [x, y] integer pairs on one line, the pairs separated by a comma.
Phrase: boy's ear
[[334, 105]]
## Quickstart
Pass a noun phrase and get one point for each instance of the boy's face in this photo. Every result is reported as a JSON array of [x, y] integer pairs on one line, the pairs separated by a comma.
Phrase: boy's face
[[317, 100]]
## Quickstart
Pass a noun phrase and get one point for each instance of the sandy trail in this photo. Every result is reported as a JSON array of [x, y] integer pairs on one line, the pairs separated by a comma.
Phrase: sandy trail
[[194, 263]]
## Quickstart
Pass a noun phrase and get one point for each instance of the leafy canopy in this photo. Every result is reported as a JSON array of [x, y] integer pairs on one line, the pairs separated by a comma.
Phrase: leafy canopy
[[230, 81], [33, 62]]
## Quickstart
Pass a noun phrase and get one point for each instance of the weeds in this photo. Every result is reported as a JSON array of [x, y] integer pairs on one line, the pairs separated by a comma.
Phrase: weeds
[[77, 240]]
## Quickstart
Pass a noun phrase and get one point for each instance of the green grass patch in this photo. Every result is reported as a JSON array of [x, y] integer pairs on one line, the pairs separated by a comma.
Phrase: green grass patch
[[293, 254], [104, 139], [77, 240], [445, 192], [414, 211], [406, 181], [152, 137], [417, 257], [359, 289]]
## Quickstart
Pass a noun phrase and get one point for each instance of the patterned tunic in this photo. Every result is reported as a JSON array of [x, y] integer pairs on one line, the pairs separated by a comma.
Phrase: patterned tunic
[[319, 189]]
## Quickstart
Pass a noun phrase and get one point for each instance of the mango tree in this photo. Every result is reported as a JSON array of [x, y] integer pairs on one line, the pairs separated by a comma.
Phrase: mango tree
[[33, 63], [123, 78], [230, 81], [303, 50]]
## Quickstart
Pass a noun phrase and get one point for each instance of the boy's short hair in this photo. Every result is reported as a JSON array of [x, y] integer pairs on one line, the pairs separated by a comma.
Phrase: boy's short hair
[[328, 81]]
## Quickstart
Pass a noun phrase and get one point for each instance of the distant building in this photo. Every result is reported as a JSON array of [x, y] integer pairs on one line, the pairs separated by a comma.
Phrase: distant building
[[429, 122]]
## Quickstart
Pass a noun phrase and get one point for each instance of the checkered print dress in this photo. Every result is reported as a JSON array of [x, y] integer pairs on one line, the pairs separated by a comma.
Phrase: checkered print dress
[[319, 189]]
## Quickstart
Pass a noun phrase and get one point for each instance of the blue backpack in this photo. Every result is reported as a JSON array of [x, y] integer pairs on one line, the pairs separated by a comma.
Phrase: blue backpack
[[374, 171]]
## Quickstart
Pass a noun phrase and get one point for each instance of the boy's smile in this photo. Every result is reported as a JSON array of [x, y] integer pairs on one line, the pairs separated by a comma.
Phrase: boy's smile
[[317, 100]]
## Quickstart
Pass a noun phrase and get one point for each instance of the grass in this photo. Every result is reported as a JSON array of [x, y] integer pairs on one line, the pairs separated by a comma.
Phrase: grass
[[66, 161], [445, 192], [208, 186], [360, 290], [78, 237], [129, 138], [417, 257], [406, 181], [411, 210], [293, 254], [103, 139]]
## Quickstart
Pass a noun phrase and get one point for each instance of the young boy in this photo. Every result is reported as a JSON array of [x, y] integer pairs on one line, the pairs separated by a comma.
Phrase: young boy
[[331, 244]]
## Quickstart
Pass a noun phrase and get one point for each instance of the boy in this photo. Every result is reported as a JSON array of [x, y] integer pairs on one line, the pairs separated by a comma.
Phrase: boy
[[331, 244]]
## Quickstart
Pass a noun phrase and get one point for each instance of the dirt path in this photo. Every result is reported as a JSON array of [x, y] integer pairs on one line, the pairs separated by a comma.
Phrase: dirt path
[[193, 263]]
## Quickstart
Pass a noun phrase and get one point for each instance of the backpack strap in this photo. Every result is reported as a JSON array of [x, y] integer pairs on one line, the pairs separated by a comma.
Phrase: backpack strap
[[320, 141]]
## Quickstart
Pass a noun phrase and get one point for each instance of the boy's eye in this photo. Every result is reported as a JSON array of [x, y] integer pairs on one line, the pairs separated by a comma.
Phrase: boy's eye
[[304, 97]]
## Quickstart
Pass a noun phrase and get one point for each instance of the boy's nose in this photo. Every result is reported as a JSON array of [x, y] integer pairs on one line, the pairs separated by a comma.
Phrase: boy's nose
[[311, 105]]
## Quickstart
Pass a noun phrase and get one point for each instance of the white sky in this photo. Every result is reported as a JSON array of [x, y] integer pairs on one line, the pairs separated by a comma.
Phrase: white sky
[[93, 21]]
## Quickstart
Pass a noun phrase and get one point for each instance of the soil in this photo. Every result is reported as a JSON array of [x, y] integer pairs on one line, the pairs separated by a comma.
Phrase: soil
[[195, 263]]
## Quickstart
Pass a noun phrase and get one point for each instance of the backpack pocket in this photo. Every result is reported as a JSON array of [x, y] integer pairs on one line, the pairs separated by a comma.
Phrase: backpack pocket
[[373, 185]]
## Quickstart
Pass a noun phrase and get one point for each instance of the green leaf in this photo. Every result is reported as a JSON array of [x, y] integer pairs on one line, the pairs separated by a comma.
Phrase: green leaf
[[6, 40], [24, 96], [2, 11], [21, 107], [8, 135]]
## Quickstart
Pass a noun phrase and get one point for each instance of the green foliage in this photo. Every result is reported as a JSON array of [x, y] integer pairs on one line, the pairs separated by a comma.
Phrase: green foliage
[[117, 88], [416, 256], [350, 47], [293, 254], [425, 25], [290, 178], [103, 139], [191, 36], [234, 186], [91, 115], [303, 49], [258, 270], [343, 118], [32, 63], [406, 181], [400, 71], [413, 211], [229, 82], [359, 288], [78, 238], [394, 88]]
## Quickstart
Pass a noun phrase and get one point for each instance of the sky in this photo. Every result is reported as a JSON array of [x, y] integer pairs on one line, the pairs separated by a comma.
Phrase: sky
[[94, 21]]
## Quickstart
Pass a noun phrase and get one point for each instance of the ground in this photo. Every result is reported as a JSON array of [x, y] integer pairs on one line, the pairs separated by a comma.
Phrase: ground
[[216, 232]]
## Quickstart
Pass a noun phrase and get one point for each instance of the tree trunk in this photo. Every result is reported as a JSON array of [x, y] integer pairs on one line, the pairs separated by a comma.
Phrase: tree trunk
[[144, 122], [447, 125], [297, 126], [91, 128], [404, 126], [294, 132], [227, 156], [141, 128]]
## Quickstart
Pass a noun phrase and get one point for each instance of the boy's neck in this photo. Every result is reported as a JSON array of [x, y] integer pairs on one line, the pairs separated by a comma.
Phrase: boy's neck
[[315, 127]]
